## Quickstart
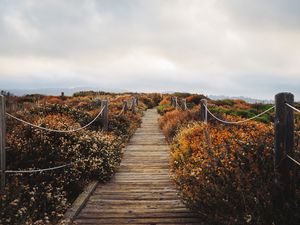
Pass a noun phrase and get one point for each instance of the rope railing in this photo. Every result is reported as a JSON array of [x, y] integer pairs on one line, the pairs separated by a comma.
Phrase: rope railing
[[240, 121], [121, 112], [55, 130], [39, 170], [104, 118], [292, 107], [293, 160], [284, 142]]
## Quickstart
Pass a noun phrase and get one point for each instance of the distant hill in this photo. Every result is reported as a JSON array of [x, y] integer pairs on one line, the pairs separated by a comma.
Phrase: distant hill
[[57, 91], [246, 99]]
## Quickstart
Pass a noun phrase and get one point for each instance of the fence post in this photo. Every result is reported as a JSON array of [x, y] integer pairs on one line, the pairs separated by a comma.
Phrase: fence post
[[125, 104], [133, 104], [2, 142], [184, 107], [104, 116], [172, 100], [284, 145], [175, 102], [136, 100], [203, 111]]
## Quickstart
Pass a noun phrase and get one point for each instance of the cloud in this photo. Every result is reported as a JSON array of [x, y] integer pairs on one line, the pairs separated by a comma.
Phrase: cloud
[[267, 14], [205, 46]]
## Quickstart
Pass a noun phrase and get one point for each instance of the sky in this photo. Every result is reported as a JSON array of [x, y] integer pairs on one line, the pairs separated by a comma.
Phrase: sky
[[229, 47]]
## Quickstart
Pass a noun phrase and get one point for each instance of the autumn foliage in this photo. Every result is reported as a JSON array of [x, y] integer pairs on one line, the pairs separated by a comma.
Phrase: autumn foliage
[[90, 154], [226, 172]]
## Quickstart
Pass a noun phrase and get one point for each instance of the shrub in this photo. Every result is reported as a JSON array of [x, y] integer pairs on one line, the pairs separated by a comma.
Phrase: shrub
[[162, 109], [224, 102], [41, 198], [124, 125], [244, 113], [172, 121], [228, 177], [195, 99], [149, 102]]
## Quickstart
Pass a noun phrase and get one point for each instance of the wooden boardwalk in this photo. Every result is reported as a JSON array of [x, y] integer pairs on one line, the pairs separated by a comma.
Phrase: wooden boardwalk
[[141, 191]]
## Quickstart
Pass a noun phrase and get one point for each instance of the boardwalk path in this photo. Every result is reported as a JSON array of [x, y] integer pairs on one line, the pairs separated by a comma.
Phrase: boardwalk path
[[141, 192]]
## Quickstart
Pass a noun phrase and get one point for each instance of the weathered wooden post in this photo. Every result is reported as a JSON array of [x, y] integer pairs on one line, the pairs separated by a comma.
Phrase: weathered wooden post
[[125, 105], [172, 101], [203, 111], [2, 142], [175, 102], [184, 107], [133, 105], [284, 145], [104, 116], [62, 94], [136, 100]]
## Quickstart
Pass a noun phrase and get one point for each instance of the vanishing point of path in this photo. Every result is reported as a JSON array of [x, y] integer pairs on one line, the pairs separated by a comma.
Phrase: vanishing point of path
[[141, 192]]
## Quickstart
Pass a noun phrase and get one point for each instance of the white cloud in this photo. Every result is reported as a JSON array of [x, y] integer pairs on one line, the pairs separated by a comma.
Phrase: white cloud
[[209, 46]]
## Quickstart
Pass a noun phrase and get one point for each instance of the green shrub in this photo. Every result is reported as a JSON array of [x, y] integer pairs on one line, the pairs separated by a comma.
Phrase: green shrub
[[162, 109]]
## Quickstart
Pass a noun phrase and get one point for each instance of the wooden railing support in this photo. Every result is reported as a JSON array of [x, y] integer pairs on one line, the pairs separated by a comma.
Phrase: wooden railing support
[[184, 106], [133, 105], [284, 145], [203, 111], [2, 142], [125, 105], [104, 116]]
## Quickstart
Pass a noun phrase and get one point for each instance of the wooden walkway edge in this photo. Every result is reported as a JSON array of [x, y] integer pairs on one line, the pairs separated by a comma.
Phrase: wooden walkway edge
[[141, 192]]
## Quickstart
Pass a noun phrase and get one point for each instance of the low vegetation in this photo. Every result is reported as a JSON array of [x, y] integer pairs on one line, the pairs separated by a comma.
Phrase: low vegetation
[[89, 154], [226, 172]]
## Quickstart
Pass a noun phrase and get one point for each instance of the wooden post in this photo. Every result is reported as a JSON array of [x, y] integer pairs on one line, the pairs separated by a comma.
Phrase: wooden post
[[125, 103], [136, 100], [203, 111], [7, 100], [184, 107], [172, 100], [175, 102], [284, 145], [133, 104], [2, 142], [104, 116]]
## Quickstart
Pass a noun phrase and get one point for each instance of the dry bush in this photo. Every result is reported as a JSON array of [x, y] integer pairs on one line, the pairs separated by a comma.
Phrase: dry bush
[[173, 120], [227, 176]]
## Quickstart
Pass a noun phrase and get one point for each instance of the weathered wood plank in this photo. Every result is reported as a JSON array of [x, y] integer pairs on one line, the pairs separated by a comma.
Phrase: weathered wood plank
[[148, 221]]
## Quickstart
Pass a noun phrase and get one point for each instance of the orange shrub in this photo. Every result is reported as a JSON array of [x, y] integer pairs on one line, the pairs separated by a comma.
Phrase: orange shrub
[[173, 120], [225, 172], [219, 176]]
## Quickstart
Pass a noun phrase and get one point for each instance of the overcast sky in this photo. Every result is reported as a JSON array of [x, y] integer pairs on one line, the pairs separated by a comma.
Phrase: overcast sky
[[230, 47]]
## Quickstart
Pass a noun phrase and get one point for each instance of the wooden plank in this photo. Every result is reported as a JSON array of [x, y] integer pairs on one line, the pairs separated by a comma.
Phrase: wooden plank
[[137, 215], [148, 221], [80, 202]]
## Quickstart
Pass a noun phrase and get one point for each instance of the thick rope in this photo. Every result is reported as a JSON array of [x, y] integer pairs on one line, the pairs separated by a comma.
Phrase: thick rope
[[38, 170], [237, 122], [292, 107], [120, 113], [54, 130], [294, 160]]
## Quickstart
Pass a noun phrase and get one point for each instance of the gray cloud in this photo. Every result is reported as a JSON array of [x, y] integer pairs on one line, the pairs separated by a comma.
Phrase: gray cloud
[[267, 14], [217, 47]]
